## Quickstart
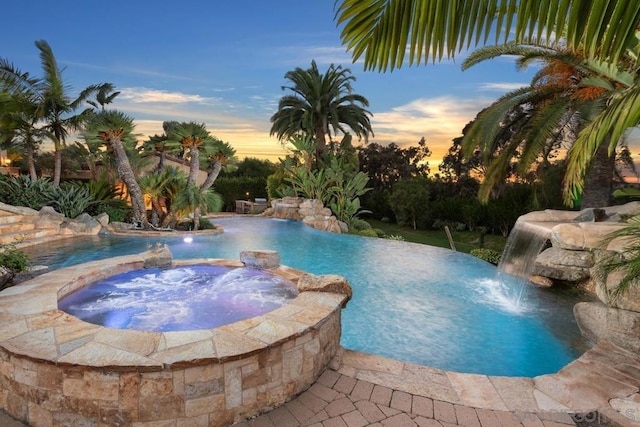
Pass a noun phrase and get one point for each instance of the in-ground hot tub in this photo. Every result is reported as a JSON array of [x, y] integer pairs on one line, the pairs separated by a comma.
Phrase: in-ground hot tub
[[56, 369]]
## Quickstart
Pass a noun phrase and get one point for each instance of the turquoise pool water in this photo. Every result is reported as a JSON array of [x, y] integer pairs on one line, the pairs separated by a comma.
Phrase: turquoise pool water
[[411, 302]]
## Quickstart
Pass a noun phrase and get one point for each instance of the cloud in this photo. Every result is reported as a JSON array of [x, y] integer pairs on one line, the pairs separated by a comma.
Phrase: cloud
[[113, 68], [438, 120], [501, 87], [142, 95]]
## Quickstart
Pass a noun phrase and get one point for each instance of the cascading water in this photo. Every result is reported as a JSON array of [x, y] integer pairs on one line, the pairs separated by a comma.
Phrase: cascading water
[[518, 260]]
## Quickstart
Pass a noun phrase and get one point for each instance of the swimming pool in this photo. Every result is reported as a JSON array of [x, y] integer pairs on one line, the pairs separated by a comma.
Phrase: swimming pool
[[411, 302]]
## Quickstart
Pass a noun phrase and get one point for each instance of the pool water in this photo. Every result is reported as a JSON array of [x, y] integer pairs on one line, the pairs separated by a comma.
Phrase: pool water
[[411, 302], [179, 299]]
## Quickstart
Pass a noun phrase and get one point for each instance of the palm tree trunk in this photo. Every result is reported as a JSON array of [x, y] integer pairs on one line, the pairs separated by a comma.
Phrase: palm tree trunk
[[212, 176], [599, 179], [194, 166], [129, 179], [32, 164], [161, 162], [57, 167], [321, 144]]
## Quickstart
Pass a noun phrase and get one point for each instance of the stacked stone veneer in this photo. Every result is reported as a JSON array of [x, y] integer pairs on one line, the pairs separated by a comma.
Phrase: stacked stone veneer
[[576, 245], [58, 370], [310, 211]]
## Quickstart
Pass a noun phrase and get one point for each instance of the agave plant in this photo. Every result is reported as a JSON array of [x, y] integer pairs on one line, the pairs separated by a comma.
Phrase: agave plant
[[23, 191], [70, 199], [626, 262]]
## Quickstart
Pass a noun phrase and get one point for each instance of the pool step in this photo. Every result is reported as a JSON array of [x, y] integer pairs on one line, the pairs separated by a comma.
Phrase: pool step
[[18, 237], [16, 227], [8, 218]]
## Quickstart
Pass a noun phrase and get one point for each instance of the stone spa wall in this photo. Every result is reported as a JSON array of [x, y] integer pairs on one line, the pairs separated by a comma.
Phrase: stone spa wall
[[58, 370]]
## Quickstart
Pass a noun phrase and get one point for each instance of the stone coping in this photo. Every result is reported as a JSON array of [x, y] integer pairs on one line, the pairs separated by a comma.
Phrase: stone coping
[[34, 327], [603, 377]]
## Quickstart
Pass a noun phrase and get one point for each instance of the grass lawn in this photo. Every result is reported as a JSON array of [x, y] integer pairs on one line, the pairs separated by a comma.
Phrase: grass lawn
[[464, 240]]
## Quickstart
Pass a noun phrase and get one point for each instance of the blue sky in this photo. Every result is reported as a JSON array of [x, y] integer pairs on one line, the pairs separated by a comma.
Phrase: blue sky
[[223, 63]]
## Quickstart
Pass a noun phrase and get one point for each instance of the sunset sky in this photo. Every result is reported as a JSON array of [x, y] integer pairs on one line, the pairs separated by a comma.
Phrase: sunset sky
[[223, 63]]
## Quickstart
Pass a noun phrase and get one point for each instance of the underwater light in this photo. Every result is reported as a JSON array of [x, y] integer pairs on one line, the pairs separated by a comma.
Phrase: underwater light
[[188, 239]]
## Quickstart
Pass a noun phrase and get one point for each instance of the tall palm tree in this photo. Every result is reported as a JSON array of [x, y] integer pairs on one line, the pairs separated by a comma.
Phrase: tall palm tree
[[384, 31], [56, 106], [115, 129], [537, 119], [321, 104]]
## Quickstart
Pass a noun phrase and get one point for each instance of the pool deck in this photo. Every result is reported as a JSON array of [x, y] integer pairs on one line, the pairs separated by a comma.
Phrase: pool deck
[[367, 390]]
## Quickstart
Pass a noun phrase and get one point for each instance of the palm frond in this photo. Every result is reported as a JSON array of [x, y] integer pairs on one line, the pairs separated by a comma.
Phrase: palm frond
[[382, 31]]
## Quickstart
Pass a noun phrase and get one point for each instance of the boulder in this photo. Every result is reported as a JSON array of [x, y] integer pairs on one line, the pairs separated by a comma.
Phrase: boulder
[[159, 257], [30, 273], [17, 210], [325, 283], [563, 264], [549, 215], [591, 215], [628, 300], [262, 260], [103, 219], [627, 210], [598, 322], [83, 224], [5, 277], [49, 218], [583, 235]]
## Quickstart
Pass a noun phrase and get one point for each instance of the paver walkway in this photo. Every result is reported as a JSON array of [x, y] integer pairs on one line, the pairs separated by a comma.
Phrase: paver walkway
[[337, 400]]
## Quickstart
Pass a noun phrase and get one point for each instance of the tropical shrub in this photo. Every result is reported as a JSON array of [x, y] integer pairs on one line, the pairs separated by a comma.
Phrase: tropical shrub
[[627, 262], [13, 260], [485, 254], [368, 233], [396, 237], [23, 191], [117, 209], [358, 225]]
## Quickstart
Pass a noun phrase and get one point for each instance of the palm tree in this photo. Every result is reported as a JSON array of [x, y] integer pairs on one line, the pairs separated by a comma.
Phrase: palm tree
[[115, 130], [190, 137], [105, 95], [193, 200], [218, 155], [19, 124], [56, 106], [534, 121], [155, 186], [383, 32], [157, 145], [321, 104]]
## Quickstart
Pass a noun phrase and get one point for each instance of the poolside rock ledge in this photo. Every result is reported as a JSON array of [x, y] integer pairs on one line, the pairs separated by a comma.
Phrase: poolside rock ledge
[[24, 226], [311, 212], [576, 245]]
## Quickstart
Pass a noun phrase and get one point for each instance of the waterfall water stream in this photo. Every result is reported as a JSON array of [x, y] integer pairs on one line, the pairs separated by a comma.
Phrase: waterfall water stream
[[518, 260]]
